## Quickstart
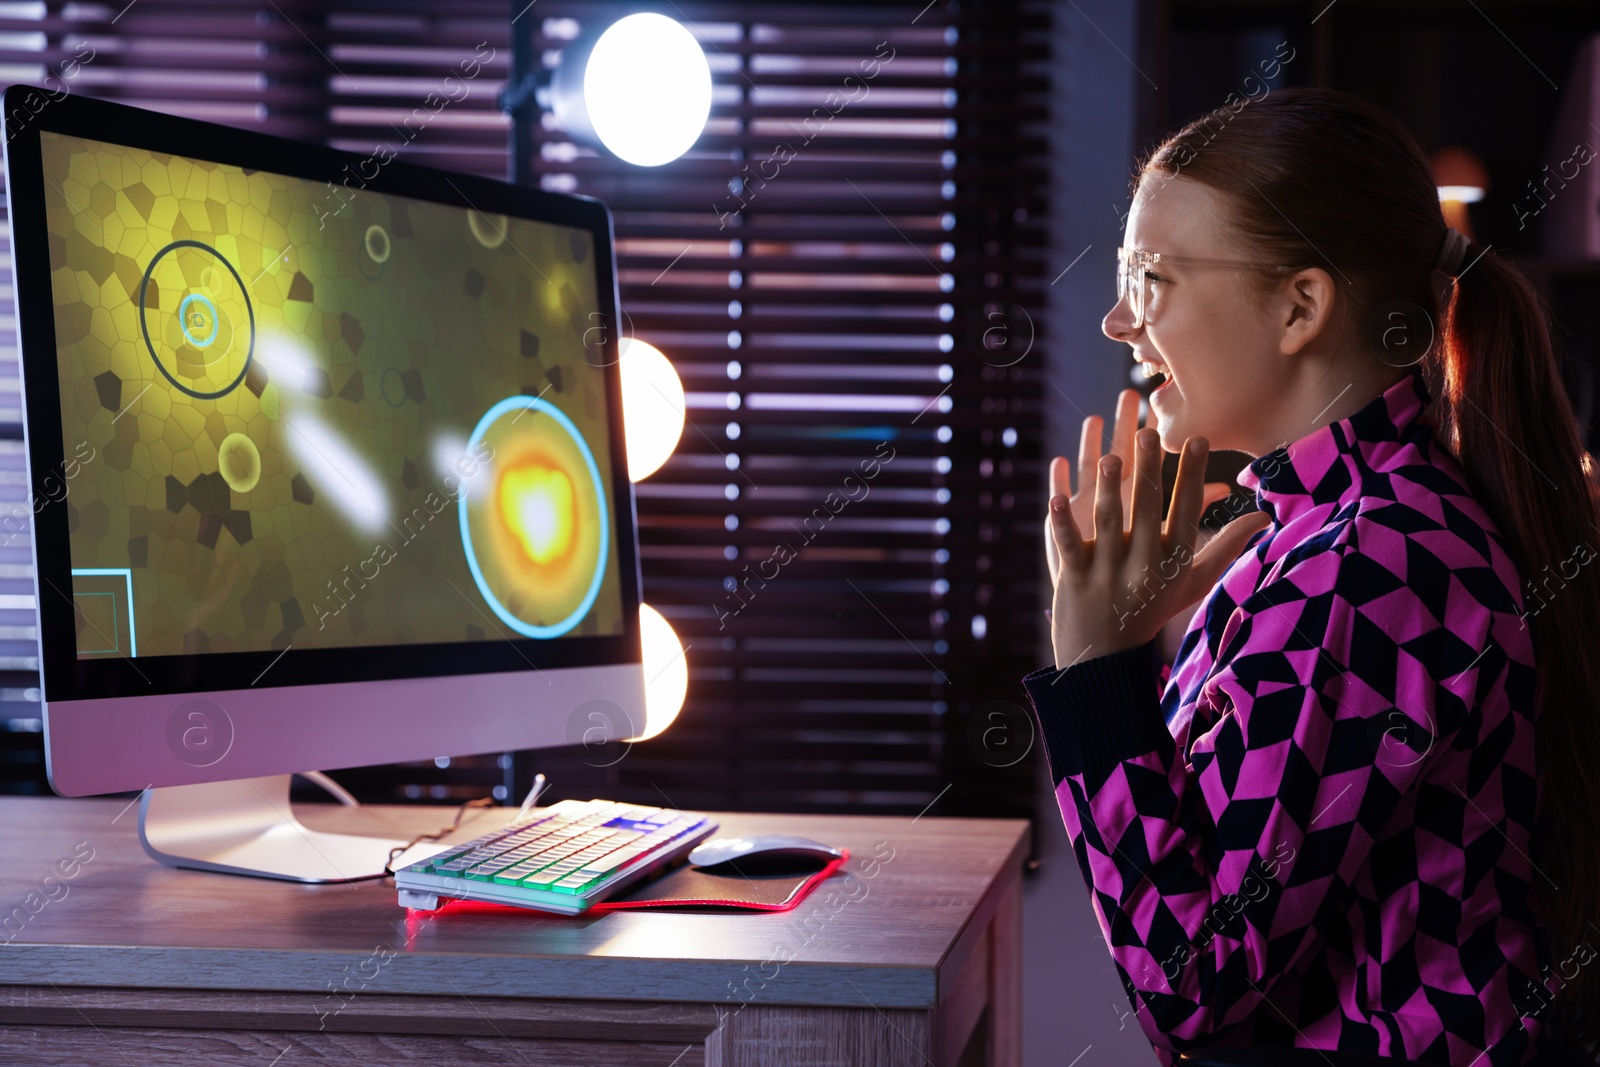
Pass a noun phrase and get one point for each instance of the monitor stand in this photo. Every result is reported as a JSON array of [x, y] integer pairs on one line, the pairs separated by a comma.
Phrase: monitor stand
[[245, 826]]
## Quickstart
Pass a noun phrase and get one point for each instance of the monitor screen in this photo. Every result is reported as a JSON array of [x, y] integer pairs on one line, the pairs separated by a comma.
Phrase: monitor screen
[[295, 416]]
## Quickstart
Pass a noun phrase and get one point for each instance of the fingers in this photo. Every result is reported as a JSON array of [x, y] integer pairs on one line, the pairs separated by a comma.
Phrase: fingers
[[1060, 476], [1065, 535], [1108, 512], [1089, 452], [1124, 428], [1183, 517], [1146, 507]]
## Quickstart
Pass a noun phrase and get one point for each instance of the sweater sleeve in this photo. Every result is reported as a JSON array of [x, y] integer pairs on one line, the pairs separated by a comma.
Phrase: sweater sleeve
[[1212, 869]]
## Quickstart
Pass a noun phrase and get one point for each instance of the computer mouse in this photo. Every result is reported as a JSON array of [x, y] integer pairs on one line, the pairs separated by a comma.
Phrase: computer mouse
[[762, 847]]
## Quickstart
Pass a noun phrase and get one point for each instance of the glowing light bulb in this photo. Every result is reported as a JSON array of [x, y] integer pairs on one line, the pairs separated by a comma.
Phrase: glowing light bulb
[[1466, 194], [652, 407], [666, 672], [647, 89]]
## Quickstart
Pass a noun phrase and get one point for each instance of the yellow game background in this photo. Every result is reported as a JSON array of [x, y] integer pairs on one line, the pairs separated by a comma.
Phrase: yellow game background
[[451, 321]]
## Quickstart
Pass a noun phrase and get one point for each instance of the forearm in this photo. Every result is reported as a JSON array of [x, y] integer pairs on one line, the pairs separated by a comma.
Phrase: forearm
[[1138, 831]]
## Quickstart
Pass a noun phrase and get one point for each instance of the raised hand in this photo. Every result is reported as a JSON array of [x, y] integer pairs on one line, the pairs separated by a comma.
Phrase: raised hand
[[1122, 577], [1082, 502]]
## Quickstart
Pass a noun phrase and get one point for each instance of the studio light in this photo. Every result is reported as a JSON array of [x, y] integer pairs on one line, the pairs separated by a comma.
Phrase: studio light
[[641, 90], [666, 672], [652, 407]]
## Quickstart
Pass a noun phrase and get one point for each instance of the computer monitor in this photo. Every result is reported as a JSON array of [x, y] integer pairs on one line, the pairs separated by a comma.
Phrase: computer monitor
[[332, 460]]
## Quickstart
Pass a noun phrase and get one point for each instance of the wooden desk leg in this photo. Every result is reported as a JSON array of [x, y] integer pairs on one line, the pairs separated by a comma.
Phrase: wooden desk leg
[[1005, 979]]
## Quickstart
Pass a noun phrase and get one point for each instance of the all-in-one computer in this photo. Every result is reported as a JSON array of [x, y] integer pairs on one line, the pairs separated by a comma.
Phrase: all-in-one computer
[[345, 468]]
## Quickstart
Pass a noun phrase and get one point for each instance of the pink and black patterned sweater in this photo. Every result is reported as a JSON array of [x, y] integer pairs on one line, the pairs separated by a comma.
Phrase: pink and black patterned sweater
[[1316, 833]]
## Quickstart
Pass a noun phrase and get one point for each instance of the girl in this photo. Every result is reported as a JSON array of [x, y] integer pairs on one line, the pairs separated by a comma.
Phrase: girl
[[1363, 813]]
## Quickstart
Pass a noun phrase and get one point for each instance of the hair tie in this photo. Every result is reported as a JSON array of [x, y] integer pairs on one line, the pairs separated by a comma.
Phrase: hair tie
[[1452, 251]]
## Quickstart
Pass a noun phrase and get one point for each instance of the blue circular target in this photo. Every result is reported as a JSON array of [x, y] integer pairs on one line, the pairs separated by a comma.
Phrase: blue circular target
[[197, 320]]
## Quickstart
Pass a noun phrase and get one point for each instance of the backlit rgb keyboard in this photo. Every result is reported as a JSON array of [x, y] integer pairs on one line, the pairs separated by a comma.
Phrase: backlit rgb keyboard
[[562, 858]]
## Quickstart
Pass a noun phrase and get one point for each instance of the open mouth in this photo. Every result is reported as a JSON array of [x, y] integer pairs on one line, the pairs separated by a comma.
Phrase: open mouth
[[1157, 371]]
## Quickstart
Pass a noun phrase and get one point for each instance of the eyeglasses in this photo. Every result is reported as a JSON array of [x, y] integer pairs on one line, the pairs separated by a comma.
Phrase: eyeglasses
[[1133, 262]]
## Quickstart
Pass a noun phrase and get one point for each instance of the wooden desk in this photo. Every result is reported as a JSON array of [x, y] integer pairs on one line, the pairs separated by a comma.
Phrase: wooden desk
[[127, 962]]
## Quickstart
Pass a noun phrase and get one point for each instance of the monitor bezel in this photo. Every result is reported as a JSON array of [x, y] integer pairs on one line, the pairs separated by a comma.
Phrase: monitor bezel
[[68, 678]]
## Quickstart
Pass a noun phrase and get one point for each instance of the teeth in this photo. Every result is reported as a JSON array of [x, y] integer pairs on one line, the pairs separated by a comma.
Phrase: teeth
[[1153, 370]]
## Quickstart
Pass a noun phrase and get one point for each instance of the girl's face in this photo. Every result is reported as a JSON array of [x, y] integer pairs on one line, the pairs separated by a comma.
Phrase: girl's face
[[1218, 345]]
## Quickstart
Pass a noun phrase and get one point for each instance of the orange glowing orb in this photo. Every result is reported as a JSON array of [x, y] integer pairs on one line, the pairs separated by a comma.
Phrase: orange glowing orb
[[537, 502]]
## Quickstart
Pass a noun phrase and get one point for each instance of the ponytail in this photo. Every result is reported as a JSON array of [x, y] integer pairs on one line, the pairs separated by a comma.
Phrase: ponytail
[[1504, 411]]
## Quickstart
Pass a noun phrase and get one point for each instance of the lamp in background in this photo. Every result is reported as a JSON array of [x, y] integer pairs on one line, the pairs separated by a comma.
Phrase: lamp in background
[[652, 407], [640, 89], [653, 417], [1462, 179], [666, 672]]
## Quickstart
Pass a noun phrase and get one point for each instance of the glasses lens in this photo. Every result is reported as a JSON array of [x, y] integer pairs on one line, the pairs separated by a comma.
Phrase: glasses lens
[[1130, 283], [1141, 290], [1136, 287]]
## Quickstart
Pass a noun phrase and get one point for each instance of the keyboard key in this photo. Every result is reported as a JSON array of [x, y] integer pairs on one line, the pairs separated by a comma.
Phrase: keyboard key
[[483, 872], [571, 809], [536, 817], [623, 857], [608, 848], [544, 879], [637, 814], [575, 883], [542, 841], [434, 862], [532, 833], [530, 867], [514, 875]]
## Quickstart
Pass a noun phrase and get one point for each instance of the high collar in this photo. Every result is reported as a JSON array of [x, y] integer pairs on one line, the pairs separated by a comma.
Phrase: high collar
[[1327, 466]]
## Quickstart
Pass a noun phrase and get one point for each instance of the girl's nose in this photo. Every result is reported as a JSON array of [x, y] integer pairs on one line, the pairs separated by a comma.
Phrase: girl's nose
[[1118, 323]]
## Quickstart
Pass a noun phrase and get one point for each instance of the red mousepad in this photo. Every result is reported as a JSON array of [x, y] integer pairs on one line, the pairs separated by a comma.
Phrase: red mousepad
[[729, 887]]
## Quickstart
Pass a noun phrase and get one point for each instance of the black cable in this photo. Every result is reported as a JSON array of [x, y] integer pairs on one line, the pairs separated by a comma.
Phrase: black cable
[[480, 802]]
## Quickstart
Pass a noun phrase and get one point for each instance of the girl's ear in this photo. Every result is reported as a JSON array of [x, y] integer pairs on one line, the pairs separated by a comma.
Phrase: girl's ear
[[1306, 300]]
